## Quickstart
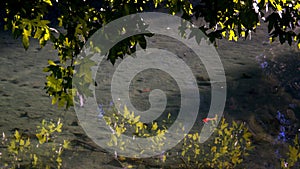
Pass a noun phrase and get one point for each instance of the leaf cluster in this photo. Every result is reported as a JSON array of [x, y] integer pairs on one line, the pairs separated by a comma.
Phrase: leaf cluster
[[69, 24], [293, 155], [238, 18], [129, 123], [22, 152], [230, 145]]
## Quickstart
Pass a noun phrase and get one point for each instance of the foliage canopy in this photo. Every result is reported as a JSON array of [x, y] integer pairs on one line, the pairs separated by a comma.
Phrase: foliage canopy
[[68, 24]]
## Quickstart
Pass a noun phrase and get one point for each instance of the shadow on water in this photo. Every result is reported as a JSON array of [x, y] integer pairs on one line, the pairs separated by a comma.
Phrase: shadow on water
[[257, 95]]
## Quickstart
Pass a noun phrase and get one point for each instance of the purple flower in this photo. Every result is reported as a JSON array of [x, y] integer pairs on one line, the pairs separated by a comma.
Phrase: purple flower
[[292, 106], [283, 121], [264, 64], [281, 118], [100, 116], [281, 136], [101, 111], [111, 103]]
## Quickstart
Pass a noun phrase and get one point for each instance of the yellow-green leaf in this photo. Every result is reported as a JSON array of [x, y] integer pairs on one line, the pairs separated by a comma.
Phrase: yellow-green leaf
[[27, 143], [58, 128], [169, 115], [35, 160], [25, 41], [17, 135], [154, 126], [119, 131], [136, 119], [51, 62], [59, 160], [41, 138], [48, 2], [232, 35], [22, 142], [66, 144], [126, 112]]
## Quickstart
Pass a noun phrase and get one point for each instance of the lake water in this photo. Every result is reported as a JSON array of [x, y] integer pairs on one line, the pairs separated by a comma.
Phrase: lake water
[[262, 79]]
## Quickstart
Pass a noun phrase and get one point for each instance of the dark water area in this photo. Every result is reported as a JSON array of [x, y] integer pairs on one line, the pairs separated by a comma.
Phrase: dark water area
[[263, 90]]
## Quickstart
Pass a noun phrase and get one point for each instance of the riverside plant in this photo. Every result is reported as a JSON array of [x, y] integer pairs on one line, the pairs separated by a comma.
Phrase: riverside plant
[[230, 145], [22, 151], [129, 122], [292, 156]]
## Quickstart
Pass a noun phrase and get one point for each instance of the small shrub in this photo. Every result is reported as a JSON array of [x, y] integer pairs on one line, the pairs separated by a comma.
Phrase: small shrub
[[21, 151], [230, 145], [130, 123], [293, 155], [228, 149]]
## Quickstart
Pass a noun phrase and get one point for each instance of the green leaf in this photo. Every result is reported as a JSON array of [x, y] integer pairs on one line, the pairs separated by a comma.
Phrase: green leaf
[[38, 33], [142, 41], [62, 101], [60, 24], [293, 153], [22, 142], [41, 138], [27, 144], [66, 144], [48, 2], [55, 85], [246, 135], [25, 38], [51, 62], [17, 135]]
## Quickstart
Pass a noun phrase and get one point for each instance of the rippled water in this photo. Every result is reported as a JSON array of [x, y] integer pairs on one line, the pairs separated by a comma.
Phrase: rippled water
[[262, 80]]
